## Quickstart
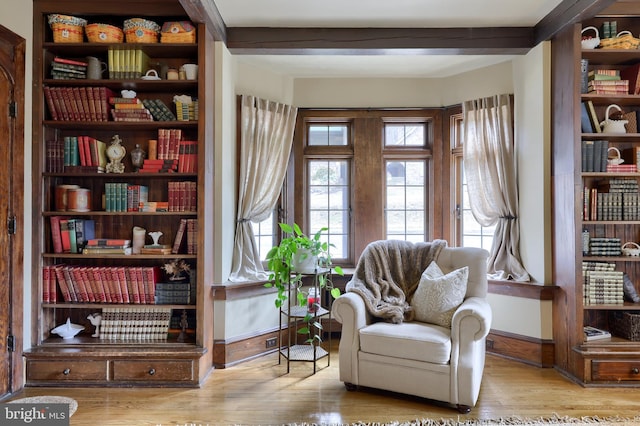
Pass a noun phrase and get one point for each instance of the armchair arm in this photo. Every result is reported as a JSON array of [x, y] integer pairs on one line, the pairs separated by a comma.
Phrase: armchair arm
[[349, 309], [471, 324]]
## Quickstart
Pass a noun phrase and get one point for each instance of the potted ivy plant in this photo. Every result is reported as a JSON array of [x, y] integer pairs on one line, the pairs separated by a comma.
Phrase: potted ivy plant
[[297, 255]]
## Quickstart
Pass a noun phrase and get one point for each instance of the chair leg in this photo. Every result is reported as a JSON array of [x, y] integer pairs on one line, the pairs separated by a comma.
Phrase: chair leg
[[463, 409], [351, 387]]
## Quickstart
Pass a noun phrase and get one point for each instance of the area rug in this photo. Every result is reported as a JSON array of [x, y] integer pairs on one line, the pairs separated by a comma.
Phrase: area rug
[[513, 420], [48, 399]]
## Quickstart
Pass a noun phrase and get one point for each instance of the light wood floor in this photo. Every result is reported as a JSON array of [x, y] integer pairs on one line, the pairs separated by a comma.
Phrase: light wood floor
[[259, 392]]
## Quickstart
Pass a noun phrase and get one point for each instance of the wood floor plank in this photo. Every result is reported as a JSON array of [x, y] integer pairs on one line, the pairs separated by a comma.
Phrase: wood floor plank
[[260, 392]]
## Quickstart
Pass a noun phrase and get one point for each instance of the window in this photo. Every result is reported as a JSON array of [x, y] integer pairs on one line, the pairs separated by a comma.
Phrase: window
[[365, 175], [467, 232]]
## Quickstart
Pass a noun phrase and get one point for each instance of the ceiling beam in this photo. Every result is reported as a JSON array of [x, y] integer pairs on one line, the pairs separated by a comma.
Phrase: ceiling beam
[[206, 12], [568, 13], [379, 41]]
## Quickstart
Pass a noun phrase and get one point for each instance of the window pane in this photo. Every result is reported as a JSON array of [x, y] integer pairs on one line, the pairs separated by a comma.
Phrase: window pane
[[325, 135], [473, 234], [329, 200], [406, 200], [404, 134], [264, 235]]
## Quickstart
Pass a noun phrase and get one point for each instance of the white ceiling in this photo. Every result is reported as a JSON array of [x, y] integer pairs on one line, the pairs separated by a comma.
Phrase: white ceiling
[[379, 13]]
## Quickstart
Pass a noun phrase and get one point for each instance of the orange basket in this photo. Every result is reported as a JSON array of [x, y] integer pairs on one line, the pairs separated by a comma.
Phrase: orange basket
[[138, 30], [103, 33], [178, 32], [66, 28]]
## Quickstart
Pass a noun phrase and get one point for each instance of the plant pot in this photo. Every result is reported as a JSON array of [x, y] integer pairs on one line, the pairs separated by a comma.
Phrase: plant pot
[[304, 262]]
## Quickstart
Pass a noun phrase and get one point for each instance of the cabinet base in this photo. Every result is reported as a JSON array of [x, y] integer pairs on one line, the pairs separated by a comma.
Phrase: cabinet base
[[114, 367]]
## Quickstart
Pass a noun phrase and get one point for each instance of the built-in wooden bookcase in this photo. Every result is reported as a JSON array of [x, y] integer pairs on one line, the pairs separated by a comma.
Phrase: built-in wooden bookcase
[[179, 357], [614, 361]]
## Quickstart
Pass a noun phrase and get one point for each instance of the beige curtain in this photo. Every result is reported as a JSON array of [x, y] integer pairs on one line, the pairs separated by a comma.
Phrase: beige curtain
[[491, 173], [266, 138]]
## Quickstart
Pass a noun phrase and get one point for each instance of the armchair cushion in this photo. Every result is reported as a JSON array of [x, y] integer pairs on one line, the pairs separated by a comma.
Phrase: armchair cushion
[[438, 295], [409, 340]]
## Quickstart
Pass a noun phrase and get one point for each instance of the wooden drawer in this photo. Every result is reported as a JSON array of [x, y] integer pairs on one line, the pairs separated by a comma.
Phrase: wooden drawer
[[150, 370], [66, 370], [615, 370]]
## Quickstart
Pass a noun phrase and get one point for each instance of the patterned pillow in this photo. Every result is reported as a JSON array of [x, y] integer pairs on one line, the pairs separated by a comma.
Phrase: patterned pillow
[[438, 295]]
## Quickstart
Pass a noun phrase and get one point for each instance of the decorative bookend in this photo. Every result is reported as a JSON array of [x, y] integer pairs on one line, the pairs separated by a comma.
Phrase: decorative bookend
[[629, 290]]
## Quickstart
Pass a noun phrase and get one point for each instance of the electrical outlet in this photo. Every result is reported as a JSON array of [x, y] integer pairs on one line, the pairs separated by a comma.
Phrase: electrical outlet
[[271, 343]]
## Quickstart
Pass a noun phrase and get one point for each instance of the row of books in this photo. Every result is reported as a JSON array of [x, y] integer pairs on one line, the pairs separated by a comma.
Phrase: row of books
[[159, 110], [594, 155], [603, 288], [126, 63], [186, 237], [78, 103], [608, 206], [602, 246], [135, 323], [182, 196], [70, 235], [75, 154], [100, 284], [124, 197], [68, 69], [107, 246], [588, 118]]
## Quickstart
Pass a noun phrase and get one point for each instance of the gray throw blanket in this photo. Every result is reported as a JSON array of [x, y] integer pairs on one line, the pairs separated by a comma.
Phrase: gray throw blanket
[[388, 273]]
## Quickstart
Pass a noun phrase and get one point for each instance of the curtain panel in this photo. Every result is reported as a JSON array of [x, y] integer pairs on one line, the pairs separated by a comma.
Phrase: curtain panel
[[490, 168], [265, 145]]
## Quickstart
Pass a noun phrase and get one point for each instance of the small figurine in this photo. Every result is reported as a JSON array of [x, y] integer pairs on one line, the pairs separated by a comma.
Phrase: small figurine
[[95, 320], [156, 237]]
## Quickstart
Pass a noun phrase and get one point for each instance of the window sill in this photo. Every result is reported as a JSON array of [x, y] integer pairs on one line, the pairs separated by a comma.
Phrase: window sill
[[522, 289]]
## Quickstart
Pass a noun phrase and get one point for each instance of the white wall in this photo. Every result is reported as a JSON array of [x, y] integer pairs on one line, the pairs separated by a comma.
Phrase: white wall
[[17, 16]]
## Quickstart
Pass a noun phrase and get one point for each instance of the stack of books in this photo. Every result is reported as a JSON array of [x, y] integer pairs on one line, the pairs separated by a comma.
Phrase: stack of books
[[107, 246], [124, 197], [68, 69], [135, 323], [158, 166], [182, 196], [607, 82], [593, 333], [129, 109], [78, 103], [605, 247], [603, 287]]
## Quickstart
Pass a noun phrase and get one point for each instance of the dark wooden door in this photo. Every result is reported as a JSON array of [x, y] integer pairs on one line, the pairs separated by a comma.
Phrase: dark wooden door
[[11, 208]]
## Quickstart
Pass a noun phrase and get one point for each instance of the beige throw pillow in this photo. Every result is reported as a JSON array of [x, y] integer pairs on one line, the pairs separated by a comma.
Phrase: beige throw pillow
[[438, 295]]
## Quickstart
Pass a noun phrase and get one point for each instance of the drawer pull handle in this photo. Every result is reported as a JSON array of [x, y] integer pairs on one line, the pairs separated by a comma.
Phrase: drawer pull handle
[[152, 371], [66, 372], [635, 370]]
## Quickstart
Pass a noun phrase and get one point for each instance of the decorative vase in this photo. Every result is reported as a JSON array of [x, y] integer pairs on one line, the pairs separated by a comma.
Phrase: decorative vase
[[137, 157]]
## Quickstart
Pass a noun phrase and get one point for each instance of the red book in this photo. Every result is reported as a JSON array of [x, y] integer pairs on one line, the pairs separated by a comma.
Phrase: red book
[[180, 233], [56, 235], [70, 61], [107, 280], [68, 277], [115, 279], [77, 99], [142, 290], [152, 274], [65, 235], [49, 98], [121, 276], [81, 289], [84, 101], [163, 144], [89, 284], [46, 272], [62, 282], [132, 285], [61, 106], [70, 98]]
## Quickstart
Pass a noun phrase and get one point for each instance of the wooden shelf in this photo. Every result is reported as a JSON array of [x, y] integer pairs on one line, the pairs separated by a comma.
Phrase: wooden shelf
[[120, 125], [153, 50]]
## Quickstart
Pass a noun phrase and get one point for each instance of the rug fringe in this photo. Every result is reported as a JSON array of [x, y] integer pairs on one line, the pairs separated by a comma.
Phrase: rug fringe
[[506, 421]]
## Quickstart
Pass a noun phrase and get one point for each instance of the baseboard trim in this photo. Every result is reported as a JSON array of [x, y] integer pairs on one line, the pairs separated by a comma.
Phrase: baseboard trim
[[525, 349]]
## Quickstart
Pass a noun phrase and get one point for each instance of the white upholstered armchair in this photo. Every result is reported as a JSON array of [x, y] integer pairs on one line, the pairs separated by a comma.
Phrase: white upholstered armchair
[[408, 329]]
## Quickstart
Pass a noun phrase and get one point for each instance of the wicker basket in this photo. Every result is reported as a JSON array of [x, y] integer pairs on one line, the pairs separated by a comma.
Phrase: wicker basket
[[138, 30], [625, 324], [103, 33], [631, 249], [590, 42], [624, 40], [67, 29], [178, 32]]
